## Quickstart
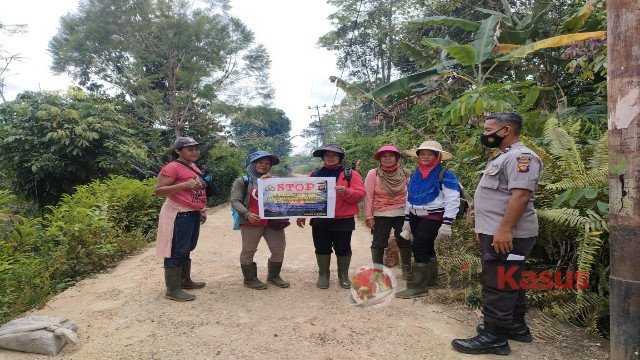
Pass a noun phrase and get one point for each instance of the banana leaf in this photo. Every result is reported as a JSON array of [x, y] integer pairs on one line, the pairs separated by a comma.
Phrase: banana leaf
[[555, 41], [505, 48], [417, 55], [404, 83], [350, 89], [464, 54], [527, 28], [574, 23], [483, 43]]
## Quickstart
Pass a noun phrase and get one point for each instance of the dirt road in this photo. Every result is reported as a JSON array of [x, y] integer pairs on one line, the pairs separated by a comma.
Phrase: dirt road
[[122, 314]]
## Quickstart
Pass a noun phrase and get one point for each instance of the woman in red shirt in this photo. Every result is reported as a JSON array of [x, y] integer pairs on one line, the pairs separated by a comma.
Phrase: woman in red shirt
[[336, 233], [180, 217]]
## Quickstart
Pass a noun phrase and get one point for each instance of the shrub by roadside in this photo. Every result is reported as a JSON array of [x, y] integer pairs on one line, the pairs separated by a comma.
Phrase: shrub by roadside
[[87, 231]]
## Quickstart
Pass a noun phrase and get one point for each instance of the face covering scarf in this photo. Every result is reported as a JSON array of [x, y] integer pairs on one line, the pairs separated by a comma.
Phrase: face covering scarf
[[424, 185], [392, 179], [492, 140]]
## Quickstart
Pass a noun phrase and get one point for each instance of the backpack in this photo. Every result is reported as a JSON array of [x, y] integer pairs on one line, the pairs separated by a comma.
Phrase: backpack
[[348, 173], [464, 204], [234, 212]]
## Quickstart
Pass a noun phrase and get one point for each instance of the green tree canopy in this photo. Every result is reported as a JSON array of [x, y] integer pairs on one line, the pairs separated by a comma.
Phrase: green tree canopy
[[52, 142], [175, 62], [262, 128]]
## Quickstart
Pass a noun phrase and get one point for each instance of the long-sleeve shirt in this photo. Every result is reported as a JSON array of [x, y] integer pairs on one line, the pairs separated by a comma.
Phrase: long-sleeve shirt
[[446, 204], [378, 200], [347, 204]]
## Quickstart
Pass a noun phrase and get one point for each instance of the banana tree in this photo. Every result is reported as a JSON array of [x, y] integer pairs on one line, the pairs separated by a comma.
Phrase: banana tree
[[472, 64]]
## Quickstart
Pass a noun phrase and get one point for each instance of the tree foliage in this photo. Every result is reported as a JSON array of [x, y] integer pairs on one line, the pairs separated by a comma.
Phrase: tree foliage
[[175, 62], [263, 128], [52, 142], [470, 59]]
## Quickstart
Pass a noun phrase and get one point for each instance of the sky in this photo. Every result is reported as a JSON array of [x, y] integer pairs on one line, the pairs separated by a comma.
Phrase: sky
[[289, 29]]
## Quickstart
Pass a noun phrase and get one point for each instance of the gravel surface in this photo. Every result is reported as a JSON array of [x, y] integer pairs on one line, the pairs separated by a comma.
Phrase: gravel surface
[[123, 314]]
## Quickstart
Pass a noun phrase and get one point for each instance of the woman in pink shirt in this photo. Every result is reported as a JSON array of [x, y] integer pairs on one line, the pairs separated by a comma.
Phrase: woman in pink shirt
[[180, 217], [384, 203]]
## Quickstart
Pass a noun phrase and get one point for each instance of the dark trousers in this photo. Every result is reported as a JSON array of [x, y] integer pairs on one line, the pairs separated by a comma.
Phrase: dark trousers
[[424, 233], [382, 228], [186, 230], [324, 241], [500, 299]]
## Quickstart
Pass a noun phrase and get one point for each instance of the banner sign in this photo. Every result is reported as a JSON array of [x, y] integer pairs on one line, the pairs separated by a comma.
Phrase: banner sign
[[280, 198]]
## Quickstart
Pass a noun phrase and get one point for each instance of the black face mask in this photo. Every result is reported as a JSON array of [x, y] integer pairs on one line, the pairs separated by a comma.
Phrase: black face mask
[[492, 140]]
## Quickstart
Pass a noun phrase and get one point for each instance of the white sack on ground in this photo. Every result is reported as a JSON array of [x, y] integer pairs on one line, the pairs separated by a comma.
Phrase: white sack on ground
[[38, 334]]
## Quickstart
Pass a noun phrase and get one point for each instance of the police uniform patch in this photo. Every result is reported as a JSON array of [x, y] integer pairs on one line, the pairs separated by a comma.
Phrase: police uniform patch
[[523, 163]]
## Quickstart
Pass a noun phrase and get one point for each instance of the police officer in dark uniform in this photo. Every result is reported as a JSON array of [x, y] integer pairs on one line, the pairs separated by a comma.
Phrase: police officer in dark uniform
[[507, 226]]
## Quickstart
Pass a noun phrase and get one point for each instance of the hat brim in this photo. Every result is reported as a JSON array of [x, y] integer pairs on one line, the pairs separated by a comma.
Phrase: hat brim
[[379, 153], [414, 153], [320, 153], [274, 159], [180, 146]]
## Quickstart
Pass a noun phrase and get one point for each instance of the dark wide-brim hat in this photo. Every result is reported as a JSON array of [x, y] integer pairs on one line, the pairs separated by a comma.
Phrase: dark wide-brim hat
[[260, 154], [330, 147]]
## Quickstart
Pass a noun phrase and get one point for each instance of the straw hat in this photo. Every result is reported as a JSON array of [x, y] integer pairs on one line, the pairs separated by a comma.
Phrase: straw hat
[[433, 146]]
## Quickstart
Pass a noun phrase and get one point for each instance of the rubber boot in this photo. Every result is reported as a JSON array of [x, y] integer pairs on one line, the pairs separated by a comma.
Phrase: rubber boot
[[418, 285], [250, 277], [273, 276], [172, 278], [377, 256], [518, 331], [492, 341], [343, 271], [405, 258], [433, 272], [324, 261], [186, 282]]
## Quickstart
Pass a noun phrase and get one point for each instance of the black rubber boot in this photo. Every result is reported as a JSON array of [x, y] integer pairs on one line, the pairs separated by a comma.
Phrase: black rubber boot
[[250, 277], [492, 341], [518, 331], [172, 278], [433, 272], [273, 276], [186, 282], [324, 261], [343, 271], [405, 258], [377, 256], [418, 286]]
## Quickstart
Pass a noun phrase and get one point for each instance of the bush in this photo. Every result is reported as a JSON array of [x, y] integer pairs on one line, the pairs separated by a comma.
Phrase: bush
[[88, 231], [225, 164], [51, 142]]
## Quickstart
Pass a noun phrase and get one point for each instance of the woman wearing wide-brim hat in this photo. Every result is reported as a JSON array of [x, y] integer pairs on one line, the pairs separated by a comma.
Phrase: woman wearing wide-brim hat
[[432, 204], [335, 234], [384, 205], [244, 199]]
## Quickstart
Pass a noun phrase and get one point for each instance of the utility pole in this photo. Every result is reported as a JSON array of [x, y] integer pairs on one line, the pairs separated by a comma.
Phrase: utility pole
[[320, 128], [623, 57]]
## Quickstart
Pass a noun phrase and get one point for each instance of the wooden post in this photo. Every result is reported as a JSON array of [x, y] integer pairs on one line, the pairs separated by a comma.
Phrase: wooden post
[[623, 40]]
